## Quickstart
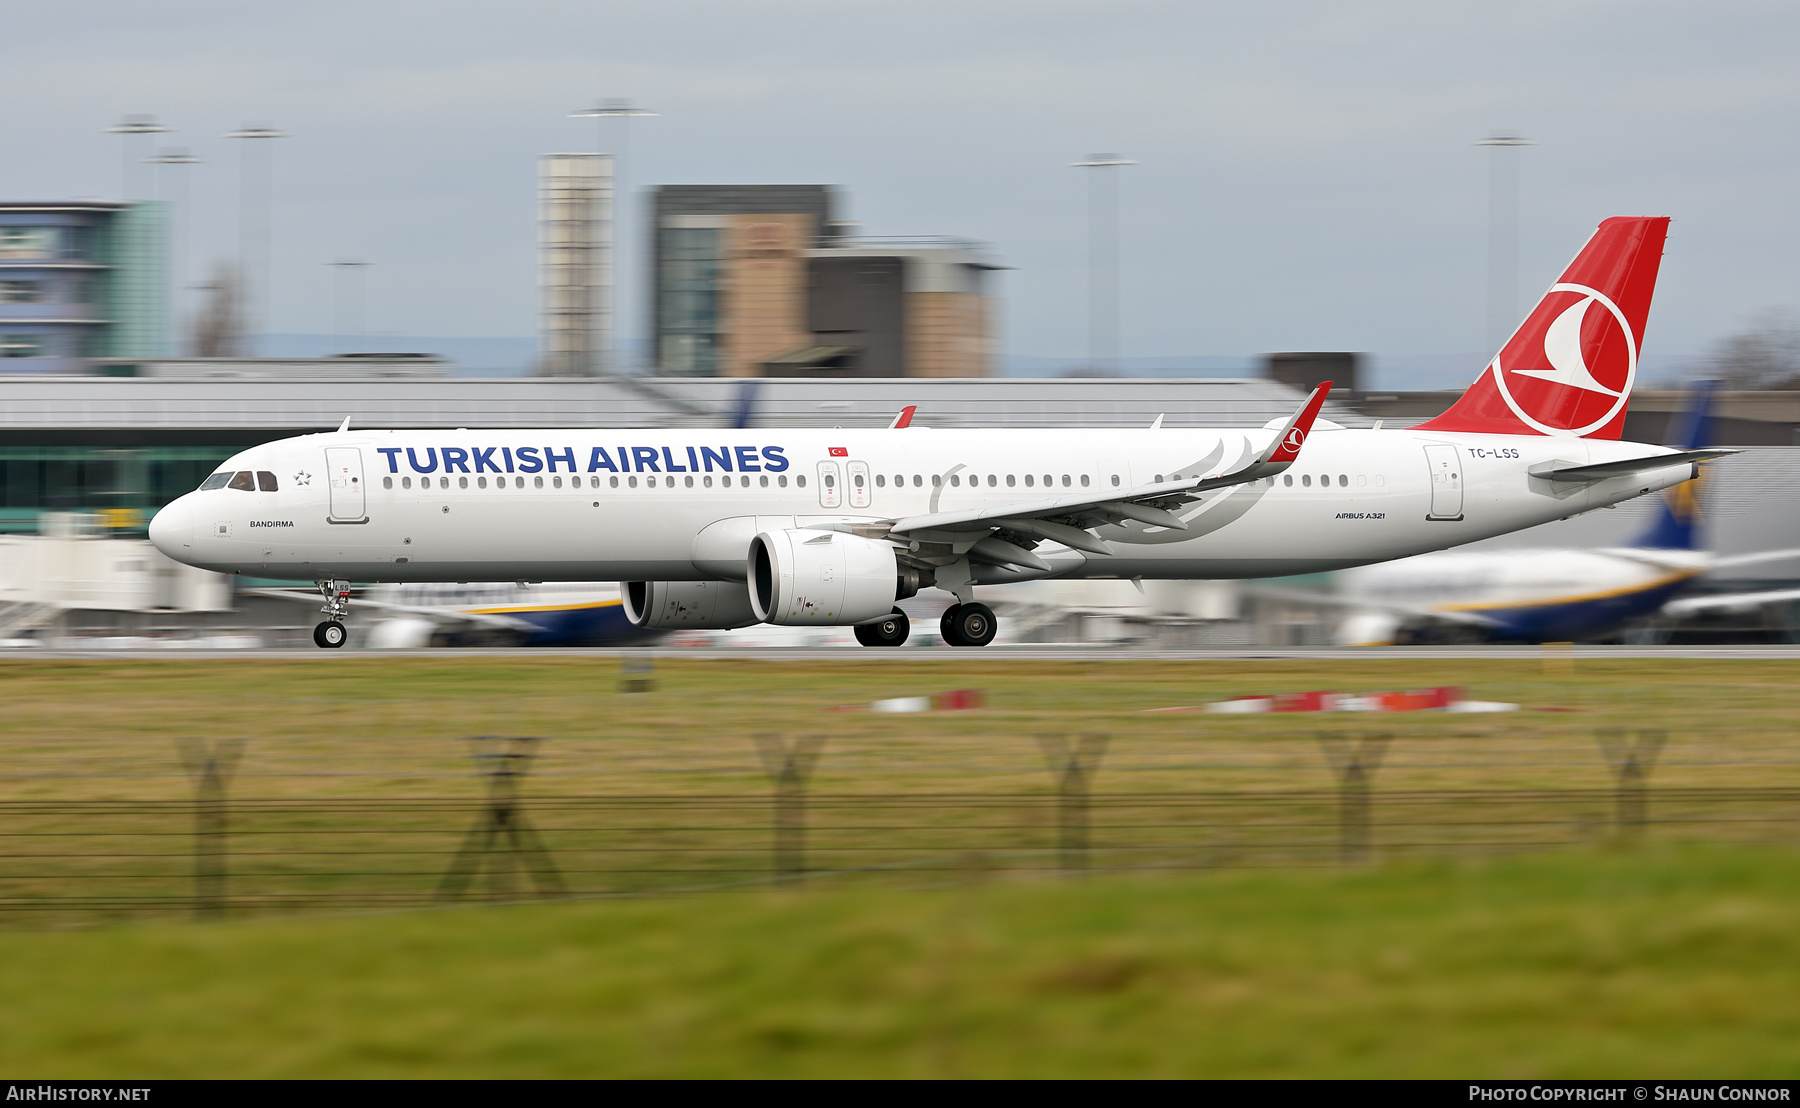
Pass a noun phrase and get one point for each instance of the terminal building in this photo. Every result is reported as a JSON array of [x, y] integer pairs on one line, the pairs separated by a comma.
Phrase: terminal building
[[80, 280], [763, 281]]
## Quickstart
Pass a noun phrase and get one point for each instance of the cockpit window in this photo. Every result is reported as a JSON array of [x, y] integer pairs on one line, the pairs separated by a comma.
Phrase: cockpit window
[[243, 479], [216, 481], [265, 480]]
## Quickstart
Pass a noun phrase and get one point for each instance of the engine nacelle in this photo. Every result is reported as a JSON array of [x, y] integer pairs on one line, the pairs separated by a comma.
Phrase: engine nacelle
[[695, 605], [821, 578]]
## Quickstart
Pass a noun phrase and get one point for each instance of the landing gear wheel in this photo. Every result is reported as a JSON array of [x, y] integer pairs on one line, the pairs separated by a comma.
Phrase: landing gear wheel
[[888, 631], [330, 634], [969, 625]]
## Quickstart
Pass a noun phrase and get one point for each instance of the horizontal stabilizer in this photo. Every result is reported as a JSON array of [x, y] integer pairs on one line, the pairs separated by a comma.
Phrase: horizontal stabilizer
[[1569, 473]]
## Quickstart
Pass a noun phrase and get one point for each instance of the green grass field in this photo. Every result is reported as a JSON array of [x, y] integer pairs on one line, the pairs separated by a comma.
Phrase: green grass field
[[1662, 963], [1672, 956]]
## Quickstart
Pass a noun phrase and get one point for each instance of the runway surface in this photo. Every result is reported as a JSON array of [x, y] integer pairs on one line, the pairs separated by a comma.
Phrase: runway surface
[[992, 653]]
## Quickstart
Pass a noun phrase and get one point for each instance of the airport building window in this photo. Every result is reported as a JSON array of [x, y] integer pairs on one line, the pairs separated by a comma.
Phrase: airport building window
[[26, 243], [21, 292], [21, 346], [266, 481]]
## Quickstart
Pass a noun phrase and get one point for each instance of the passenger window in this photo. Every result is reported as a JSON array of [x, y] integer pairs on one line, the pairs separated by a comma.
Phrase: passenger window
[[406, 482], [557, 481], [1115, 478], [519, 482], [800, 480], [707, 480], [1361, 481], [919, 482], [1343, 480], [1066, 481], [782, 481], [1084, 480], [688, 481], [881, 481], [992, 481], [1306, 480], [1009, 481], [856, 477], [613, 481], [243, 480], [632, 481], [1287, 480], [481, 482], [1028, 480], [745, 482], [265, 481], [216, 481], [955, 481], [1047, 481], [387, 482], [1157, 480], [830, 481], [462, 482], [763, 480]]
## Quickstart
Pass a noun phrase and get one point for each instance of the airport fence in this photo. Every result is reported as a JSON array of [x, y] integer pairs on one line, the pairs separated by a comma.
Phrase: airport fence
[[65, 862]]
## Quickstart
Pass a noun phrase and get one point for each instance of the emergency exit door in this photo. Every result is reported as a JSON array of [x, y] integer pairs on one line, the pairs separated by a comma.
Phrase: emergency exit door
[[1446, 482], [343, 466]]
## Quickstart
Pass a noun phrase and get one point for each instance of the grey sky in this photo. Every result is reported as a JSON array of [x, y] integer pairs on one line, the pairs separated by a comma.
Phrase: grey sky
[[1308, 178]]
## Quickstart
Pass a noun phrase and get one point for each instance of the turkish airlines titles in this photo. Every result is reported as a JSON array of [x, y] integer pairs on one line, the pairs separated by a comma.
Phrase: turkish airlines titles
[[546, 459]]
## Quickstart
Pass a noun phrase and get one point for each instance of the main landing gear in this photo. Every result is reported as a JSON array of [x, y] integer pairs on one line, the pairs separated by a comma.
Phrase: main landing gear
[[331, 633], [968, 625], [889, 630]]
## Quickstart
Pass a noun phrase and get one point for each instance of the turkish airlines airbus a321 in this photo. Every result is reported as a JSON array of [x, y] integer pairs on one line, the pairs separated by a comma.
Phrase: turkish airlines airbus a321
[[723, 529]]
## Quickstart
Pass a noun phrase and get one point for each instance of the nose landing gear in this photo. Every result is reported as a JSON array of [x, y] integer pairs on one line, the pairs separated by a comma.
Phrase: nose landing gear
[[968, 625], [331, 634]]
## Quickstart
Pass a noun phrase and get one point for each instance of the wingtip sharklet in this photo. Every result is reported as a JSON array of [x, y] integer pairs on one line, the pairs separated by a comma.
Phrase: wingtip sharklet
[[1292, 437]]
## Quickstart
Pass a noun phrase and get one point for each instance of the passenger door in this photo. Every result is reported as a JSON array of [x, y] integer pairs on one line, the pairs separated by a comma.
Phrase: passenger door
[[1446, 481], [343, 467]]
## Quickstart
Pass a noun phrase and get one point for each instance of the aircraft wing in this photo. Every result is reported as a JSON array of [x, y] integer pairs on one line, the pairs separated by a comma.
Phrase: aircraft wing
[[1753, 559], [1727, 601], [1364, 604], [439, 615], [1068, 519]]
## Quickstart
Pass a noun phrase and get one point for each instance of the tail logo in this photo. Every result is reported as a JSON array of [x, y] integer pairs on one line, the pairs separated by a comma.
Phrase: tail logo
[[1591, 363], [1294, 438]]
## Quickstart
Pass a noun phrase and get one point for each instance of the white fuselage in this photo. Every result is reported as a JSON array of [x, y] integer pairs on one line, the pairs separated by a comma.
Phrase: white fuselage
[[682, 504]]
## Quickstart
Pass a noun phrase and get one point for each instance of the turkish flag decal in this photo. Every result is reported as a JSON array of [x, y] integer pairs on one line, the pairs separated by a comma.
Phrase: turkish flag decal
[[840, 452]]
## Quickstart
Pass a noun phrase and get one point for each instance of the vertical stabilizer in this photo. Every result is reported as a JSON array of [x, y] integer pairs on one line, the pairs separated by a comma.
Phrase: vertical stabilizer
[[1681, 509], [1568, 369]]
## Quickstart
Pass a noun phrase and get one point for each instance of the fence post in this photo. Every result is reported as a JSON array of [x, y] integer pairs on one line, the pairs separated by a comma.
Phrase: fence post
[[1355, 767], [502, 836], [790, 767], [635, 668], [211, 766], [1631, 762], [1073, 768]]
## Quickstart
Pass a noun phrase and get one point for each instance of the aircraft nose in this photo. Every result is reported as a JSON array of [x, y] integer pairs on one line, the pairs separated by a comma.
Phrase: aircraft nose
[[172, 527]]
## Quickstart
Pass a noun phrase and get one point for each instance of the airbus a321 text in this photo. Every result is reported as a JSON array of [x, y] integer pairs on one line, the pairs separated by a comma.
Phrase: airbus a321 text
[[728, 528]]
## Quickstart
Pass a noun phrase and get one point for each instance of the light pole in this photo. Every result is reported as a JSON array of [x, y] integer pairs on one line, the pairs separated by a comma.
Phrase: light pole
[[125, 128], [348, 320], [172, 298], [1103, 258], [623, 111], [255, 203], [1503, 233]]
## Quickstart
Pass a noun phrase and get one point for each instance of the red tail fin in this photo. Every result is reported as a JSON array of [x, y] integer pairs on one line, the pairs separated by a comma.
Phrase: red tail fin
[[1568, 370]]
